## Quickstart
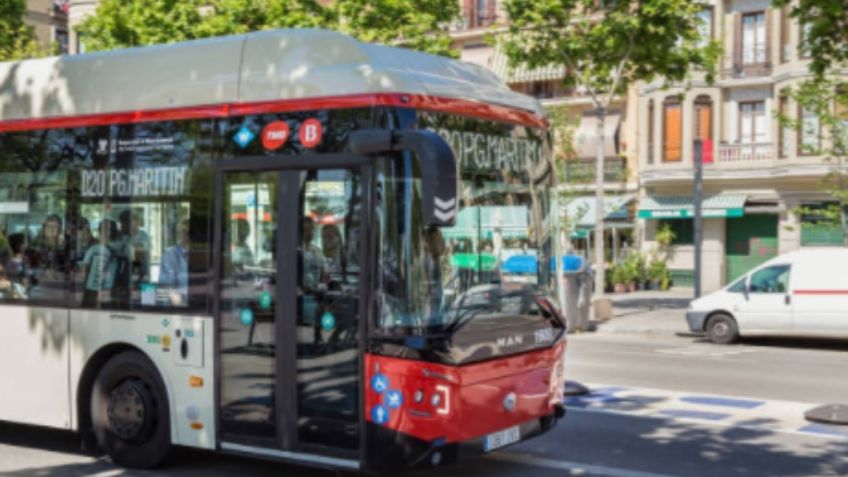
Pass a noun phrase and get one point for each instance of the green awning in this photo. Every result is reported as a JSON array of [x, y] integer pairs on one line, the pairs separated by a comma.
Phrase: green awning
[[715, 206]]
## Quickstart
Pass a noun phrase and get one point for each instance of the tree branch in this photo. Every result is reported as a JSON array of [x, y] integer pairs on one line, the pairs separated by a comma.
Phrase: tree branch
[[618, 72]]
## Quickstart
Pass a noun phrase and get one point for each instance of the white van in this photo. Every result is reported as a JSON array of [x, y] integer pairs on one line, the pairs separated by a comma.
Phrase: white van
[[801, 293]]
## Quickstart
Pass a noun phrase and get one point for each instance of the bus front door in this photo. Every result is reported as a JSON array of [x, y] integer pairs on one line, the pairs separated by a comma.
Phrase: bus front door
[[289, 244]]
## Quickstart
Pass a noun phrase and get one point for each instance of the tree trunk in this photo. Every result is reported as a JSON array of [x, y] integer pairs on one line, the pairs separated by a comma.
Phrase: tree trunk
[[600, 265]]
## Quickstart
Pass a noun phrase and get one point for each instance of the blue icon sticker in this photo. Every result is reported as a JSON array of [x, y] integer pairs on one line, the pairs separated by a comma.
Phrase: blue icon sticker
[[393, 399], [328, 321], [379, 383], [380, 414], [244, 137], [265, 300], [246, 317]]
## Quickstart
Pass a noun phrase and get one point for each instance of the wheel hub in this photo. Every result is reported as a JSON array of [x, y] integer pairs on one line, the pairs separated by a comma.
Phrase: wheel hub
[[131, 410], [720, 329]]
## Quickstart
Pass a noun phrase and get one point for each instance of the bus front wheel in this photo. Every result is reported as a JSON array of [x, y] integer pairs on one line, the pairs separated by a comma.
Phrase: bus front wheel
[[129, 411]]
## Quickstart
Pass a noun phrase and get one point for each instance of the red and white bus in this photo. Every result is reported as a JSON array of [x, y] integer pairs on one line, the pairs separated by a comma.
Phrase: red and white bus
[[287, 244]]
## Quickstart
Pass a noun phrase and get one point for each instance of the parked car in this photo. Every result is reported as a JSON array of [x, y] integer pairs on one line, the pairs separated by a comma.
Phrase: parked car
[[801, 293]]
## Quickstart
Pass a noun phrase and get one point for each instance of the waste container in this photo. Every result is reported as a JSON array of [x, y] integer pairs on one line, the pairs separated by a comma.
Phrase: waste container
[[578, 292]]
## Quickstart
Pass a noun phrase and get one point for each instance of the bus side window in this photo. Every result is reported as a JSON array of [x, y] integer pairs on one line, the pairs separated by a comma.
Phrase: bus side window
[[33, 241]]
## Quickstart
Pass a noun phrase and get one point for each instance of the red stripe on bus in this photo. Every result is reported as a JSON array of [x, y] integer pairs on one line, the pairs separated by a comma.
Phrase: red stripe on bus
[[431, 103], [821, 292]]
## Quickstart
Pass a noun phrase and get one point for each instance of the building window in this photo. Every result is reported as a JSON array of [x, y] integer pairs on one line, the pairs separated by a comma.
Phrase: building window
[[753, 124], [479, 13], [754, 38], [672, 130], [60, 37], [803, 47], [684, 230], [704, 118], [705, 25], [651, 131], [810, 133], [821, 225], [783, 131]]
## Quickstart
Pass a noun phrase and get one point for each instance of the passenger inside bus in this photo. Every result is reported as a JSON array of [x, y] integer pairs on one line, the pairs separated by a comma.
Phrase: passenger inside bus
[[173, 274], [100, 266], [49, 254], [136, 242], [8, 289], [242, 254]]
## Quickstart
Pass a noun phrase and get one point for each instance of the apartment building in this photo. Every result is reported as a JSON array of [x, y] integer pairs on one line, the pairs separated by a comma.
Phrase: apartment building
[[759, 173], [50, 20], [482, 20]]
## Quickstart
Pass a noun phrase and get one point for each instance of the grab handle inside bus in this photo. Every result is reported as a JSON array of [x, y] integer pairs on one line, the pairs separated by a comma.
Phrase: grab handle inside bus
[[437, 164]]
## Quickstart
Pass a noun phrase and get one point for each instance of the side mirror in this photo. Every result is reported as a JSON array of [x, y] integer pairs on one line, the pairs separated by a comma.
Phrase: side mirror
[[439, 181]]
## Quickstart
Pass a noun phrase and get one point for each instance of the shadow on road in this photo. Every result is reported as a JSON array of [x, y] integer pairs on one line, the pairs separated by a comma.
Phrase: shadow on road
[[585, 444]]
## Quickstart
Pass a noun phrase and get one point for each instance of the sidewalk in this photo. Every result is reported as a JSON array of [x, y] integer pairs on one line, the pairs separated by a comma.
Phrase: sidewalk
[[650, 312]]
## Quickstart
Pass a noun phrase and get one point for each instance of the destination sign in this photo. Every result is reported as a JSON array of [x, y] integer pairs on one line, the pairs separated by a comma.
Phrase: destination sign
[[126, 183], [492, 152]]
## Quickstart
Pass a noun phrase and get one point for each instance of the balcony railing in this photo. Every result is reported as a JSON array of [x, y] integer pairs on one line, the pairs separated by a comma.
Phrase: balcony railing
[[745, 153], [583, 171], [748, 63]]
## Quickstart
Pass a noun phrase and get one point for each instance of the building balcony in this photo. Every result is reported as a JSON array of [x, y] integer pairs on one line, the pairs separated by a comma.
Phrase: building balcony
[[745, 153], [583, 171], [750, 63]]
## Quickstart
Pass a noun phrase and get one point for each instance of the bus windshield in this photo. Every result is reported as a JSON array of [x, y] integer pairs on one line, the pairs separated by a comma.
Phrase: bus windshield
[[494, 265]]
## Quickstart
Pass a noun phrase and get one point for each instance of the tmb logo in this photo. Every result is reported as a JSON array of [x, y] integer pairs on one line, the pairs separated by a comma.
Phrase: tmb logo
[[275, 135]]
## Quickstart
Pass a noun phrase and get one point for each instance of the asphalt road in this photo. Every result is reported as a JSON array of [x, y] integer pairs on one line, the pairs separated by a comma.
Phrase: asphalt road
[[640, 423]]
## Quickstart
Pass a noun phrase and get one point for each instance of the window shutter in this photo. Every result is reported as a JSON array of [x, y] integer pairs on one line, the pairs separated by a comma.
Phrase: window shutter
[[737, 40], [673, 130], [769, 21]]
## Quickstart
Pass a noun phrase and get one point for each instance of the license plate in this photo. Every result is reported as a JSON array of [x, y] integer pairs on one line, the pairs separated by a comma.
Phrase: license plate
[[501, 439]]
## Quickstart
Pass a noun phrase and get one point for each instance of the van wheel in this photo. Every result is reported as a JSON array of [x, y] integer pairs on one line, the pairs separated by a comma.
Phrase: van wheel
[[129, 411], [722, 329]]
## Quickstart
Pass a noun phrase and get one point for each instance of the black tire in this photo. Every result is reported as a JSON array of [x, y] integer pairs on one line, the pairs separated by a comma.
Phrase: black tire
[[722, 329], [129, 411]]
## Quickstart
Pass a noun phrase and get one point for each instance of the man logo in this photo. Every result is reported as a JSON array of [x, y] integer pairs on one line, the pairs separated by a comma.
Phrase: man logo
[[510, 401], [103, 147], [510, 341]]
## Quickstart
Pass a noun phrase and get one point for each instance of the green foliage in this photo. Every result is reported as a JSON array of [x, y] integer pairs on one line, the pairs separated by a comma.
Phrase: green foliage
[[826, 31], [665, 237], [659, 273], [17, 39], [126, 23], [606, 48]]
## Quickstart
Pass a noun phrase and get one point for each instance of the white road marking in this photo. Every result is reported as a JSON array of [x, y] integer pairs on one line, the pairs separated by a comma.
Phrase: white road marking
[[573, 468], [700, 422]]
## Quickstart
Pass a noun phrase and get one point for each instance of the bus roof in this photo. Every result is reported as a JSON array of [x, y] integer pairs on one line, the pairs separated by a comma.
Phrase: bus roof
[[253, 68]]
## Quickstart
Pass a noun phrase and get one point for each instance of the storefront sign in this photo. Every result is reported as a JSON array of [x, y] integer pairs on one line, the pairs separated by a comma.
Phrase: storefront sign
[[689, 213]]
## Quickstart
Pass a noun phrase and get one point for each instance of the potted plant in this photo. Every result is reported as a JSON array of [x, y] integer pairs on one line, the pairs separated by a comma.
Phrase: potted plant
[[619, 278], [635, 271], [657, 274]]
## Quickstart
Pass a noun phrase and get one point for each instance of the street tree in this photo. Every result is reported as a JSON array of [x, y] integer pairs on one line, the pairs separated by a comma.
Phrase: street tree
[[605, 47], [824, 96], [17, 39], [409, 23], [825, 25]]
